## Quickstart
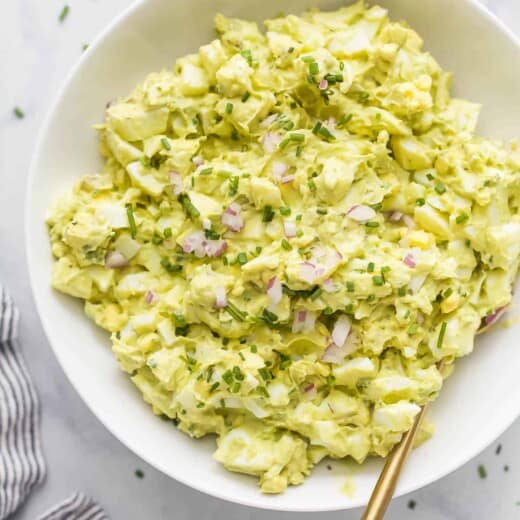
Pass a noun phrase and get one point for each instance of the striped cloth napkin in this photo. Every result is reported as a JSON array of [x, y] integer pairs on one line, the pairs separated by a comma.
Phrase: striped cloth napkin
[[22, 466]]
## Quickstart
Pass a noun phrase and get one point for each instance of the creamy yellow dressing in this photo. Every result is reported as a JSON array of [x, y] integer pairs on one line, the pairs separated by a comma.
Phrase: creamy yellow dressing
[[291, 229]]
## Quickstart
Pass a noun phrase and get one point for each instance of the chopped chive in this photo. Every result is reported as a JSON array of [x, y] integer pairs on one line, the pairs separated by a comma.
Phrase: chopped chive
[[297, 137], [188, 206], [242, 258], [322, 211], [166, 143], [316, 293], [341, 65], [447, 293], [299, 233], [286, 245], [167, 232], [288, 126], [372, 224], [268, 214], [290, 50], [265, 373], [234, 312], [254, 349], [324, 132], [248, 56], [157, 240], [350, 286], [429, 176], [440, 188], [344, 119], [420, 202], [285, 211], [234, 135], [233, 185], [371, 267], [214, 386], [64, 13], [371, 298], [401, 291], [412, 329], [206, 171], [258, 250], [227, 376], [18, 112], [131, 220], [299, 151], [246, 96], [283, 144], [316, 127], [229, 108], [378, 280], [307, 59], [298, 218], [314, 68], [328, 311], [312, 185], [441, 334], [462, 218], [482, 473], [269, 316]]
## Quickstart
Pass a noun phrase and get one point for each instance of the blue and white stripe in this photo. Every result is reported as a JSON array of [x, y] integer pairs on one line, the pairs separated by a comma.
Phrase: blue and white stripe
[[22, 466]]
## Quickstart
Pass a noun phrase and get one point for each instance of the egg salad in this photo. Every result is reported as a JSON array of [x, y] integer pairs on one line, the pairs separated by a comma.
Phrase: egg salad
[[291, 229]]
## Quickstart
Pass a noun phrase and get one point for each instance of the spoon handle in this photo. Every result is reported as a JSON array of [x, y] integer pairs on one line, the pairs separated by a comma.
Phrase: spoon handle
[[385, 487]]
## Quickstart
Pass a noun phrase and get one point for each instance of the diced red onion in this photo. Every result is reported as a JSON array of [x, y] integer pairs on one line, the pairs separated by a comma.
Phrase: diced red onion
[[289, 228], [395, 216], [329, 286], [274, 291], [410, 260], [287, 178], [232, 218], [220, 297], [310, 392], [493, 318], [409, 221], [323, 84], [304, 321], [279, 170], [361, 213], [197, 244], [197, 161], [341, 330], [116, 260], [150, 297], [216, 248], [333, 354], [177, 184], [270, 141]]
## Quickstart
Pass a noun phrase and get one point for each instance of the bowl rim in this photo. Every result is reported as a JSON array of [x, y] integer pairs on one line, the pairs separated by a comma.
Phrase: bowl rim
[[200, 486]]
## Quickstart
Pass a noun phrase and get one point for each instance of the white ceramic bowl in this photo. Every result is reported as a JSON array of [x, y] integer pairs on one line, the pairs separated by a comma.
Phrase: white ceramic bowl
[[477, 404]]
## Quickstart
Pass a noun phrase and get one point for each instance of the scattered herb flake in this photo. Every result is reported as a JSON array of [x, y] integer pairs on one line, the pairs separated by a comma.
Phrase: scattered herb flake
[[139, 473], [64, 13], [482, 473], [18, 112]]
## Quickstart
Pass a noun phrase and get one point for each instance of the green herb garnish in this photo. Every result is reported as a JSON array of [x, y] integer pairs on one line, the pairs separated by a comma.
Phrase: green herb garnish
[[131, 220]]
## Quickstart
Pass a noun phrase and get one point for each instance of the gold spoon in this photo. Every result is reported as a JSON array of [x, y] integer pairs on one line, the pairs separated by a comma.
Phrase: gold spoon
[[387, 482]]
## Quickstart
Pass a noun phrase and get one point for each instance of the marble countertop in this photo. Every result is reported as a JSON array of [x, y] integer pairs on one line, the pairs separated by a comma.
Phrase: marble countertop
[[36, 52]]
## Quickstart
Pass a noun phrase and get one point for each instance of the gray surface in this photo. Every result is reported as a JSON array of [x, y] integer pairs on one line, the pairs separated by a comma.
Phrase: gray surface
[[35, 54]]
